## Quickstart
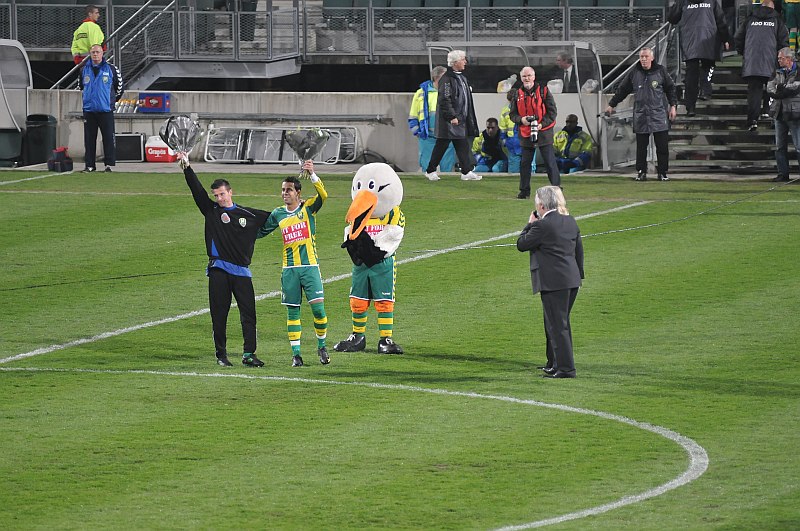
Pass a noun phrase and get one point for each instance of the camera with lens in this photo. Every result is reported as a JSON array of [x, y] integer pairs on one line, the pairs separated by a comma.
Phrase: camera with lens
[[534, 127]]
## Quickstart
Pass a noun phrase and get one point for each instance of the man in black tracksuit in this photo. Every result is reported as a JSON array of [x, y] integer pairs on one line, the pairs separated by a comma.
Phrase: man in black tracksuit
[[230, 234], [703, 30], [758, 40], [654, 107]]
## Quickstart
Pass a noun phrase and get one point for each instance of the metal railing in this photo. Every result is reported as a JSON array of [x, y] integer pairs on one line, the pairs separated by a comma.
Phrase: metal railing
[[287, 28]]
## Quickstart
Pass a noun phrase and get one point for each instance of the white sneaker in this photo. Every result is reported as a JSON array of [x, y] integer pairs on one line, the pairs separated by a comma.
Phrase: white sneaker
[[471, 176], [432, 176]]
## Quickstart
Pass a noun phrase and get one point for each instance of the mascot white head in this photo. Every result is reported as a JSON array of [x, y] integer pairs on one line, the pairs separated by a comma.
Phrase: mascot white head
[[376, 190]]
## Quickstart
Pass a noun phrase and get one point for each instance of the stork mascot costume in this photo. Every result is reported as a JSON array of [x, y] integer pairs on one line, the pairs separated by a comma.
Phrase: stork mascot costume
[[375, 230]]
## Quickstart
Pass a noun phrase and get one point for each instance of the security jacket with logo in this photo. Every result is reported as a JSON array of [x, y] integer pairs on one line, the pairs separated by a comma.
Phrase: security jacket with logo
[[654, 92]]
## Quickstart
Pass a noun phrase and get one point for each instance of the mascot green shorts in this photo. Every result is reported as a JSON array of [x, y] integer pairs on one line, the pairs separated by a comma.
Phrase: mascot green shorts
[[376, 282]]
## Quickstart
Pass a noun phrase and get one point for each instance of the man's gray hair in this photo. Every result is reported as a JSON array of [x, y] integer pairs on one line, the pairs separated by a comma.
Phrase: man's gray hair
[[564, 56], [437, 72], [551, 198], [786, 52], [455, 55]]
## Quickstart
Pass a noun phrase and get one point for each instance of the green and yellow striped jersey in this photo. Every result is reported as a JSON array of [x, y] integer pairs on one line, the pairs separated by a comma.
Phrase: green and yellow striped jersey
[[394, 217], [298, 229]]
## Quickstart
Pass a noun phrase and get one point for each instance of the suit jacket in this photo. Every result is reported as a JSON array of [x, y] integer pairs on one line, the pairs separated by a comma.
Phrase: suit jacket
[[572, 86], [556, 252]]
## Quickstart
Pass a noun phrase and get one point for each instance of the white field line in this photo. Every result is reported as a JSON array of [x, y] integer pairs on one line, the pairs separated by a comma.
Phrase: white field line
[[35, 177], [195, 313], [698, 457]]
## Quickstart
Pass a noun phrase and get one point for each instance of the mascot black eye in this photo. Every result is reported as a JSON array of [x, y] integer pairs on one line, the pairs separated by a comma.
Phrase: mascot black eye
[[371, 185], [358, 185]]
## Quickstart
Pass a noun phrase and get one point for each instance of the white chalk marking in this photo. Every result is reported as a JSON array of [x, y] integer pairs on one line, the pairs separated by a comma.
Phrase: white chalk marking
[[698, 457]]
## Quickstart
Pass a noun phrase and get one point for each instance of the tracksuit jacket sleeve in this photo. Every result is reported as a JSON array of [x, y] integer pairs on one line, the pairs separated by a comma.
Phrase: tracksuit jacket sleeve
[[201, 199]]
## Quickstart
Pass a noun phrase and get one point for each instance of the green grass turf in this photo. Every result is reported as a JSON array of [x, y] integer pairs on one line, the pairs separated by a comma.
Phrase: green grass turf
[[686, 325]]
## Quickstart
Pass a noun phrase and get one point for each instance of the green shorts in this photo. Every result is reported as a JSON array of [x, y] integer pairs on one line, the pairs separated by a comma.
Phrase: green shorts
[[295, 280], [791, 14], [374, 283]]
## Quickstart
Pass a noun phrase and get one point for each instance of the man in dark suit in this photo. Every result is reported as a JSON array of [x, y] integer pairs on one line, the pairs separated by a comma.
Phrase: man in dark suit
[[566, 72], [556, 257]]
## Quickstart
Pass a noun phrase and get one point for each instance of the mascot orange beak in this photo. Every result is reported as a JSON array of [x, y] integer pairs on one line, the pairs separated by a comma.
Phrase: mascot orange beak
[[360, 211]]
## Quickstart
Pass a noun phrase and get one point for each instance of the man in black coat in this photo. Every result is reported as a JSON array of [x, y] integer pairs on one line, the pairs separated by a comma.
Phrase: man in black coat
[[654, 107], [703, 30], [556, 259], [455, 118], [758, 40]]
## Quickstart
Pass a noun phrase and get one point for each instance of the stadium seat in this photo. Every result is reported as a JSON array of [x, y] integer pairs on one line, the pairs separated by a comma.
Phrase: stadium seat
[[440, 3], [375, 3], [543, 3]]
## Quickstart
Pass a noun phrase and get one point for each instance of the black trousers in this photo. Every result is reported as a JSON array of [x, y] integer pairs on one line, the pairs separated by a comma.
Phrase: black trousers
[[757, 97], [661, 140], [463, 149], [550, 164], [220, 287], [105, 122], [694, 82], [556, 306]]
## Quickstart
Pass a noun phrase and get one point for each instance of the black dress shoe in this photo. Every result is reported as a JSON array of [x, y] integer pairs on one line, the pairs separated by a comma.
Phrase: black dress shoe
[[559, 374], [549, 370], [523, 195]]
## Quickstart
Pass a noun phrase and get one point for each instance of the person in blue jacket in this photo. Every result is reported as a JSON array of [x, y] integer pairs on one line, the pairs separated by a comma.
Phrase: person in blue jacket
[[101, 84]]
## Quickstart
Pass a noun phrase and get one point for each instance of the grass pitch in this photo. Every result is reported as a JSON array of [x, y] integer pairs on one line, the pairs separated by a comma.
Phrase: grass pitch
[[113, 413]]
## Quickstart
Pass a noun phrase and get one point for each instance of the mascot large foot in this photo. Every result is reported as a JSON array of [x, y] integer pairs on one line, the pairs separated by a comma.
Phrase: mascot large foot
[[354, 343], [387, 346]]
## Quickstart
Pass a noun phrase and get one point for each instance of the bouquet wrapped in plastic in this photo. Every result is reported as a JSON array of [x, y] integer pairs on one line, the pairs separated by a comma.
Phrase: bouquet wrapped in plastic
[[307, 144], [181, 133]]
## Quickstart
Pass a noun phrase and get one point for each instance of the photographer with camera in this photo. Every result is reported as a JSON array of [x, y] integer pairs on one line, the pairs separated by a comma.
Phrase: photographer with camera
[[534, 109], [784, 88]]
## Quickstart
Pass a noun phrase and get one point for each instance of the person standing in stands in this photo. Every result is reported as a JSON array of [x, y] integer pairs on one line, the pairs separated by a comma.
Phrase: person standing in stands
[[87, 35], [654, 107], [791, 16], [534, 109], [422, 122], [757, 40], [566, 71], [703, 32], [455, 118], [101, 84]]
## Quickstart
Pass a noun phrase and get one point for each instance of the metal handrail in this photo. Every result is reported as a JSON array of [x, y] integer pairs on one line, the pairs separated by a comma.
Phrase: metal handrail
[[607, 84]]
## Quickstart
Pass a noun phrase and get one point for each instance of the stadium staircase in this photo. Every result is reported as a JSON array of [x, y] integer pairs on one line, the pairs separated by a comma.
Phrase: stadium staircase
[[717, 138]]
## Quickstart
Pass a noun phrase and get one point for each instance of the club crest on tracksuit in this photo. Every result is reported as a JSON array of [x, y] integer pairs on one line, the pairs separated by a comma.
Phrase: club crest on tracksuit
[[225, 217], [242, 222]]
